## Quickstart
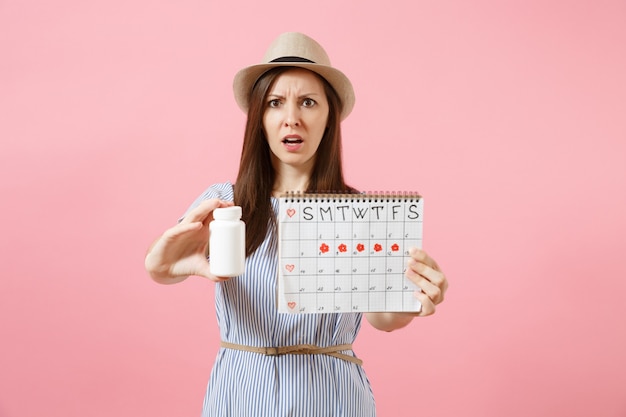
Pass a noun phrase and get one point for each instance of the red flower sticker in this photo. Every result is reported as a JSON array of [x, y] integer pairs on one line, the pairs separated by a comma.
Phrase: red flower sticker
[[378, 247], [360, 247], [324, 248], [343, 248], [395, 247]]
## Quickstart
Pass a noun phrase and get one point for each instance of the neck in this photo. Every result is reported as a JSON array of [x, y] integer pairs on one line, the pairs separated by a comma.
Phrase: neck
[[290, 179], [281, 187]]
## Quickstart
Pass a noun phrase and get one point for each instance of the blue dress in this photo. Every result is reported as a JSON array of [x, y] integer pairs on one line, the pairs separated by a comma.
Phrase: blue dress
[[245, 384]]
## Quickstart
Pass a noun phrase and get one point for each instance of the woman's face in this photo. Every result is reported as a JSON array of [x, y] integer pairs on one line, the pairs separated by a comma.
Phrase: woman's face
[[295, 118]]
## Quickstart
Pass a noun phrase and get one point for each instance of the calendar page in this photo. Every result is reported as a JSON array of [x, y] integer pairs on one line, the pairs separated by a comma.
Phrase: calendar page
[[347, 252]]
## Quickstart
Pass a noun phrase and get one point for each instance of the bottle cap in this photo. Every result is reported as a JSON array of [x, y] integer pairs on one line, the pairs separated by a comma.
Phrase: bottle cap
[[227, 213]]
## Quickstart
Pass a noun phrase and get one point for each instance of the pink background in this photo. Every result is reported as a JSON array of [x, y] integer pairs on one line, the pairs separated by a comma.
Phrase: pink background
[[509, 117]]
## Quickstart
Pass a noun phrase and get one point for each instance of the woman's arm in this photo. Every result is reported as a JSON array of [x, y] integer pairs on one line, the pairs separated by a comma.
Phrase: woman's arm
[[389, 322]]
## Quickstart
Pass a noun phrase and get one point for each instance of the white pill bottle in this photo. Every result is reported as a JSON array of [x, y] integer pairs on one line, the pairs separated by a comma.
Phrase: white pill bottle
[[227, 242]]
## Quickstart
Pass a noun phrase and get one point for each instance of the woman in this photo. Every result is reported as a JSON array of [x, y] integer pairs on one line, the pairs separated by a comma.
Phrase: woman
[[295, 103]]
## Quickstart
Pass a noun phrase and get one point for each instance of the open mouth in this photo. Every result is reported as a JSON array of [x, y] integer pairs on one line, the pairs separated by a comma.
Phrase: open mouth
[[292, 141]]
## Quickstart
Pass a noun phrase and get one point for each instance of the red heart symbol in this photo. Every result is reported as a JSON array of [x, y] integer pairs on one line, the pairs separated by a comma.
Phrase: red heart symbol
[[291, 212], [289, 267], [291, 304]]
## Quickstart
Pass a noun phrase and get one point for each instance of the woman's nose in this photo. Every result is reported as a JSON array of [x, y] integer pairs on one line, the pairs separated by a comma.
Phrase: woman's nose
[[292, 115]]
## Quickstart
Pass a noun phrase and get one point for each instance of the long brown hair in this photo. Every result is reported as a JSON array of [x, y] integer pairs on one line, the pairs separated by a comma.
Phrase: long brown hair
[[255, 181]]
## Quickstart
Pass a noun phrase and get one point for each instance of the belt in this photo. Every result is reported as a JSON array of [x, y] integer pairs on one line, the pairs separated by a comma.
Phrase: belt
[[297, 350]]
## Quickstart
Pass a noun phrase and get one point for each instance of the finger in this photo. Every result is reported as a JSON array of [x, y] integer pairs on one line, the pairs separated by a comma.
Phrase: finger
[[438, 279], [434, 276], [181, 228], [420, 255], [205, 272], [202, 213], [431, 282], [219, 279], [427, 288], [428, 307]]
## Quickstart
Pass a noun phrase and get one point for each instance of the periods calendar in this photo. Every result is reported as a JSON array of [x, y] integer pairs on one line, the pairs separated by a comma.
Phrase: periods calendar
[[347, 252]]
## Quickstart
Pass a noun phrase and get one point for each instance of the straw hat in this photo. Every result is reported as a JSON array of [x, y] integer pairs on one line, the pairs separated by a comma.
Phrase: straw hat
[[296, 50]]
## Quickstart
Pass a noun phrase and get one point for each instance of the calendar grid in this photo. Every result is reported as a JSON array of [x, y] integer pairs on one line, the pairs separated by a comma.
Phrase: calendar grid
[[347, 253]]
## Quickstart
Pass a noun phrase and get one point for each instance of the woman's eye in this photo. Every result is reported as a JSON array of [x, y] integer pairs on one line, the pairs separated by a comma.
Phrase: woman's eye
[[308, 102], [274, 103]]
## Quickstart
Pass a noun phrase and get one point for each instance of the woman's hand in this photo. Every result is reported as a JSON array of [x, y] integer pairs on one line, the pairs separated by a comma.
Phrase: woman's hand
[[181, 251], [424, 272]]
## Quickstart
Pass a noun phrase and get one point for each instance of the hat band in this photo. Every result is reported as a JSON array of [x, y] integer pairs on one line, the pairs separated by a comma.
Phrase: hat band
[[292, 59]]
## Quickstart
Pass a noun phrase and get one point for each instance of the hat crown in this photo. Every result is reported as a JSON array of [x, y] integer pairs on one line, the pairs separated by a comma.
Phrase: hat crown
[[294, 44]]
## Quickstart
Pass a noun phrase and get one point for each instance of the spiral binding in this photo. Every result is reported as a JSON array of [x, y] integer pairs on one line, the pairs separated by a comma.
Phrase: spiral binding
[[342, 197]]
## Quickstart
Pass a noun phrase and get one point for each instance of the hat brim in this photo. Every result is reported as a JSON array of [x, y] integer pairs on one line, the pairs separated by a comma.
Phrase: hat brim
[[245, 79]]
